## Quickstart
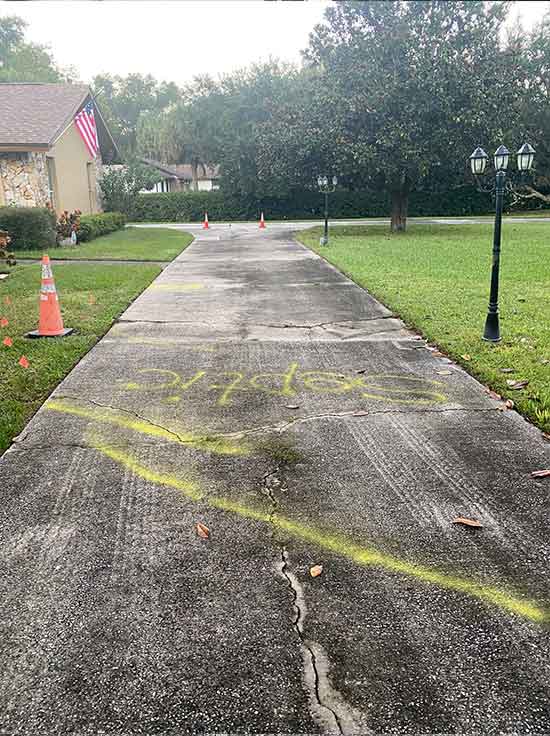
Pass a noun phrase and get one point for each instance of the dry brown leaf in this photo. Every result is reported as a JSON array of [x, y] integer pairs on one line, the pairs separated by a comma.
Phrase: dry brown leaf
[[444, 373], [546, 436], [361, 371], [517, 385], [437, 354], [507, 370], [292, 406], [360, 413], [202, 530], [509, 404], [315, 571], [494, 395], [466, 357], [467, 522], [540, 474]]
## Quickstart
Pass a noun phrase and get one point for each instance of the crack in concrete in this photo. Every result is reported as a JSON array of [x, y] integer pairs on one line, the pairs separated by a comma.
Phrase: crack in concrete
[[316, 679]]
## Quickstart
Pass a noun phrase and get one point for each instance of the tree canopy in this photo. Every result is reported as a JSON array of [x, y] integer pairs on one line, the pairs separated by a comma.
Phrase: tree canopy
[[23, 61]]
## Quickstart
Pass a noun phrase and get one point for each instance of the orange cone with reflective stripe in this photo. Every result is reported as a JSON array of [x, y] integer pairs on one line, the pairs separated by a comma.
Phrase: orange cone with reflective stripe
[[205, 223], [50, 323], [262, 222]]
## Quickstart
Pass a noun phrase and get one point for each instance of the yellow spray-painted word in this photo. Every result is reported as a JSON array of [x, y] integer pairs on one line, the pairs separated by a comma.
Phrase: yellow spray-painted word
[[209, 443], [338, 543], [394, 388]]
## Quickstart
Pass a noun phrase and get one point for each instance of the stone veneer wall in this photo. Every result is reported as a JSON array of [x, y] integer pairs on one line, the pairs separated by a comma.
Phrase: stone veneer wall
[[24, 179]]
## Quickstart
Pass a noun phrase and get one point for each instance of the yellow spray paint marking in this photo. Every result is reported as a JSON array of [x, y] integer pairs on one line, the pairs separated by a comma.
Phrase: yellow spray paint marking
[[177, 287], [380, 387], [341, 545], [215, 444]]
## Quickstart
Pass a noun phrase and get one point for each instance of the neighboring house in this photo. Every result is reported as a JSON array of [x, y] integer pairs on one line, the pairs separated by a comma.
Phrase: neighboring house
[[179, 177], [43, 156]]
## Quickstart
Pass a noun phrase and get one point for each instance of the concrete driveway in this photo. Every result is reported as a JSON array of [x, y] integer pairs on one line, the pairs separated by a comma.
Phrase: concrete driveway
[[257, 391]]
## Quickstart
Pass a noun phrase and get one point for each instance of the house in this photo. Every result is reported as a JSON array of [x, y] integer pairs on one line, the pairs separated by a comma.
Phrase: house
[[179, 177], [43, 156]]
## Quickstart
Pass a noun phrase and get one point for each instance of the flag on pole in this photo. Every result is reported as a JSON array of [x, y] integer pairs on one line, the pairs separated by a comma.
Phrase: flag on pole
[[85, 122]]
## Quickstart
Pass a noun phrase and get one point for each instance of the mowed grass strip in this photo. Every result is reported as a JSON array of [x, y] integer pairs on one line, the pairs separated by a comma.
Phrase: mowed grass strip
[[91, 297], [132, 243], [436, 278]]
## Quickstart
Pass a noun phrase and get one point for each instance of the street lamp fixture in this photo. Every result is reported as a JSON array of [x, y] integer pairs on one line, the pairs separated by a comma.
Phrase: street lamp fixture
[[478, 162], [326, 186]]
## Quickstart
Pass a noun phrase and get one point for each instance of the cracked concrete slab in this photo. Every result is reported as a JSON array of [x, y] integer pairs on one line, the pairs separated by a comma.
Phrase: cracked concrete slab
[[255, 389]]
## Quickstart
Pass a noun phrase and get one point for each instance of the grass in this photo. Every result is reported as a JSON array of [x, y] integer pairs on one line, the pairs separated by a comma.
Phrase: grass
[[132, 243], [436, 278], [91, 296]]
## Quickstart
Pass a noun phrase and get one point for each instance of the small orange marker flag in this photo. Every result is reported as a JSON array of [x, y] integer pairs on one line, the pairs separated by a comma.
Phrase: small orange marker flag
[[4, 322], [50, 323], [7, 341], [23, 362]]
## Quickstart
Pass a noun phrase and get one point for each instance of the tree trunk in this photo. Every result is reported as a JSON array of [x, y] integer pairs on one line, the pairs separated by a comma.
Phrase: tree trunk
[[400, 207], [195, 175]]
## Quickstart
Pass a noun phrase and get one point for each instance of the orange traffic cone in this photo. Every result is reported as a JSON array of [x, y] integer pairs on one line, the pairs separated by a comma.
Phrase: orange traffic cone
[[205, 223], [50, 323], [262, 221]]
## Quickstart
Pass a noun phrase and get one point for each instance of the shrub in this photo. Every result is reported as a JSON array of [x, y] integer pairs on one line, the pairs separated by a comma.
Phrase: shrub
[[29, 227], [67, 223], [302, 204], [92, 226]]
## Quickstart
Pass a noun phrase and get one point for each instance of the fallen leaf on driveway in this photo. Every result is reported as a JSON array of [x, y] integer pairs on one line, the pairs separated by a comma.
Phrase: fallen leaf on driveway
[[361, 371], [517, 385], [509, 404], [437, 354], [466, 357], [292, 406], [202, 530], [360, 413], [540, 474], [315, 571], [444, 373], [468, 522], [546, 436]]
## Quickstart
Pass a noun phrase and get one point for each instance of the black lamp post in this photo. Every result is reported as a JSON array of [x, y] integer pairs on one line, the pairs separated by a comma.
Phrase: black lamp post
[[478, 162], [327, 187]]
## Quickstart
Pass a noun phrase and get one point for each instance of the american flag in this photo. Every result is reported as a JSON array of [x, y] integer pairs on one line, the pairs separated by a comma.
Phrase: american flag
[[85, 122]]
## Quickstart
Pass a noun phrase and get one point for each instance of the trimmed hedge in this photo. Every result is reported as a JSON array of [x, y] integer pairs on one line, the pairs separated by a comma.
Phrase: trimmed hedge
[[92, 226], [304, 204], [29, 227]]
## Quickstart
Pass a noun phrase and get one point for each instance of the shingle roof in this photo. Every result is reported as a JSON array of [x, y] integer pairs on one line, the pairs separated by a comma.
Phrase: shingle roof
[[35, 114]]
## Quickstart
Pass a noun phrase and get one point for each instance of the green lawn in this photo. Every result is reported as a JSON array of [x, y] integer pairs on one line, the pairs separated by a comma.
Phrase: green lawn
[[91, 296], [132, 243], [436, 278]]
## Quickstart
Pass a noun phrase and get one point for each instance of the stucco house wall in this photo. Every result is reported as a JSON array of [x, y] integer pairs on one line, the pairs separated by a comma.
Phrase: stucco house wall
[[76, 174]]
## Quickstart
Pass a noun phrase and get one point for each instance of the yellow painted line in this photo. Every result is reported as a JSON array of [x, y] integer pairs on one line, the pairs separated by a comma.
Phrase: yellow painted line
[[341, 545], [215, 444]]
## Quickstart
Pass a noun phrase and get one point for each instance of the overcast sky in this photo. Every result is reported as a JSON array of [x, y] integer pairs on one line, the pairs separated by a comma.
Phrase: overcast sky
[[177, 39]]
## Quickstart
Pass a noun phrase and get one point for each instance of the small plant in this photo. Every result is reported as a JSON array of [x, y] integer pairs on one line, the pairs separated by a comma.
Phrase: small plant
[[5, 255], [67, 224]]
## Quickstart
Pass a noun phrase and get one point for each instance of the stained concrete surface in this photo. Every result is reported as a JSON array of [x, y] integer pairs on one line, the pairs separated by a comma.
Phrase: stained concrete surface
[[255, 389]]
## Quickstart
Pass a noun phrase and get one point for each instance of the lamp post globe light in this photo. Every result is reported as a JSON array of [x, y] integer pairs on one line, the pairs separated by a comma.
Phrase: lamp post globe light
[[326, 186], [478, 163]]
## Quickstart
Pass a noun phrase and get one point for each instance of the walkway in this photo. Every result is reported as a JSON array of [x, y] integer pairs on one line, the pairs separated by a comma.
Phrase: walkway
[[255, 390]]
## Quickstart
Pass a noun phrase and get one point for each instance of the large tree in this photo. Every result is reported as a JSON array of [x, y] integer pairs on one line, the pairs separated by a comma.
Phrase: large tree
[[418, 85], [23, 61], [124, 99]]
